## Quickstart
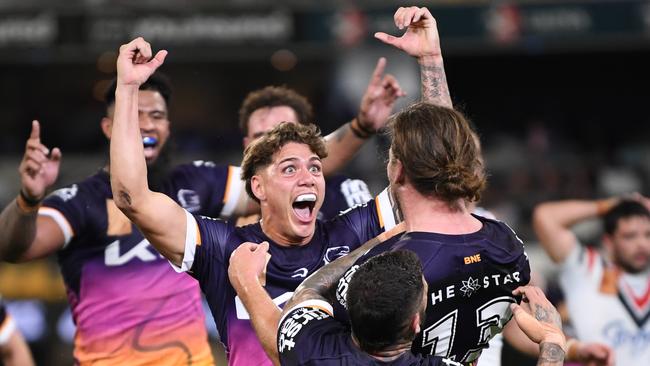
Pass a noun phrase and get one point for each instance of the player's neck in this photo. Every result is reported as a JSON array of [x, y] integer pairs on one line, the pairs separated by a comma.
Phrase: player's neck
[[450, 218], [389, 353], [281, 234]]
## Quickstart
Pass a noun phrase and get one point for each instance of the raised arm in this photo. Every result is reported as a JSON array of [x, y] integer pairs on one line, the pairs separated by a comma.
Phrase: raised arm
[[421, 40], [23, 234], [161, 220], [376, 106], [552, 222]]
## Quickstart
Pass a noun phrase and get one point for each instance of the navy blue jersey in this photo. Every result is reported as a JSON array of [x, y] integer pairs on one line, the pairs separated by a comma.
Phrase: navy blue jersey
[[122, 292], [471, 278], [208, 250], [309, 335], [342, 193]]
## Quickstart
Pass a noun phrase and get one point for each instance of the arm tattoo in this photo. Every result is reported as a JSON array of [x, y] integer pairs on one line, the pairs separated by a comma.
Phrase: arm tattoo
[[320, 284], [340, 132], [434, 85], [550, 354], [547, 315]]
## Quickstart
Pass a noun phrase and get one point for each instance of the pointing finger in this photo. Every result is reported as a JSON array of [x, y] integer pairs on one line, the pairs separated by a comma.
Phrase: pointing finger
[[36, 130]]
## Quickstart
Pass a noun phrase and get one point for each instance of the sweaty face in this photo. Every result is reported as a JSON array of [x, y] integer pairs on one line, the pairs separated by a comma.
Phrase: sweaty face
[[263, 120], [293, 190], [631, 243]]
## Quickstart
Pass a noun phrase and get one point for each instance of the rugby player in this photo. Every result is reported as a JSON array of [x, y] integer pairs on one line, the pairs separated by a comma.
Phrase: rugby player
[[607, 291], [283, 172], [265, 108], [107, 265]]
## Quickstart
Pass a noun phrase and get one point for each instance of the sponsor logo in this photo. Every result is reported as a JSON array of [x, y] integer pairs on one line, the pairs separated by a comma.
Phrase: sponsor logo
[[336, 252], [66, 194], [189, 200], [469, 287]]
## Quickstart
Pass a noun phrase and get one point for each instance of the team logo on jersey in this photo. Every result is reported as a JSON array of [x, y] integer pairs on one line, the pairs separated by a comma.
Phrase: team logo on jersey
[[300, 272], [336, 252], [470, 287], [66, 194], [189, 200], [205, 163]]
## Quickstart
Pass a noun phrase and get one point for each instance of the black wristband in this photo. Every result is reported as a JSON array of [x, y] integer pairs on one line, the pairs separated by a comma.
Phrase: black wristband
[[358, 131], [30, 201]]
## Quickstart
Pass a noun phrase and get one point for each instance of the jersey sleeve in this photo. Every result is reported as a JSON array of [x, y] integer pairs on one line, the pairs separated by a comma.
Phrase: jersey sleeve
[[67, 207], [371, 218], [206, 188], [302, 331], [204, 256], [582, 267]]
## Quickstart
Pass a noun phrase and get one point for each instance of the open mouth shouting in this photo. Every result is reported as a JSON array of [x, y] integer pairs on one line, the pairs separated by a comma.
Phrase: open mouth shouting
[[149, 143], [303, 207]]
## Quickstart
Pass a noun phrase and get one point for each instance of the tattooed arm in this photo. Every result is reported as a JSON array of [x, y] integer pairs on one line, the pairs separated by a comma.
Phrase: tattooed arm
[[376, 106], [541, 322], [320, 284], [421, 40], [159, 218]]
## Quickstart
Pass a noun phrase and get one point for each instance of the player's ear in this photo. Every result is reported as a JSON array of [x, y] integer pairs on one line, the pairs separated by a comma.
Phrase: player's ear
[[257, 186], [107, 125], [399, 172], [415, 323]]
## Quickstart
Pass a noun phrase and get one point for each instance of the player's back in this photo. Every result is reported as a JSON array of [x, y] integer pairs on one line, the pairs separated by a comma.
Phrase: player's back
[[470, 281]]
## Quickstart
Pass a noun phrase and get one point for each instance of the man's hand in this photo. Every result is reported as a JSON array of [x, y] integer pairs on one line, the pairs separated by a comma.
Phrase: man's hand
[[590, 354], [134, 63], [379, 99], [248, 263], [537, 317], [38, 169], [421, 39]]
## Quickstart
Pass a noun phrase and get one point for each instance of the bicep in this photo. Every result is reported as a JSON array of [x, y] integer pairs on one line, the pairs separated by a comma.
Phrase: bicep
[[163, 222], [50, 237]]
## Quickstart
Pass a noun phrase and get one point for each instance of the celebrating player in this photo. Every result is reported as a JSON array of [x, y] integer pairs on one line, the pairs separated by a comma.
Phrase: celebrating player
[[265, 108], [283, 172]]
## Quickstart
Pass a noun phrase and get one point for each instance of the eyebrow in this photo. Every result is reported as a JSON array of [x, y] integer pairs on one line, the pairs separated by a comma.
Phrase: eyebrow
[[293, 158]]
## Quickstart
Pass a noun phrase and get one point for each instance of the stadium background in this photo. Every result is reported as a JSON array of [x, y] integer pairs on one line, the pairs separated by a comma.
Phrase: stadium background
[[557, 90]]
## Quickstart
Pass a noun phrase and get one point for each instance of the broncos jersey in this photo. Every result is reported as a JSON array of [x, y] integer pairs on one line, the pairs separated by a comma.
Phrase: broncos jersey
[[129, 307], [309, 335], [210, 242], [471, 278], [342, 193]]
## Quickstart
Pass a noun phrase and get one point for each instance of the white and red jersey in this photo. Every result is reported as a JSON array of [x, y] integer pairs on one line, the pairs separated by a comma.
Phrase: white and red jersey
[[607, 305]]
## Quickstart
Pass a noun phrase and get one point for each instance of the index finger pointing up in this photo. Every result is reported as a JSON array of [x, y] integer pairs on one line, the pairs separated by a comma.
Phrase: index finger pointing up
[[36, 130], [379, 71]]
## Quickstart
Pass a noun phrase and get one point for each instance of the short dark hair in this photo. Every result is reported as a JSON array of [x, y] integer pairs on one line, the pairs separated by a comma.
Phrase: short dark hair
[[260, 152], [438, 151], [625, 209], [274, 96], [157, 82], [384, 295]]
